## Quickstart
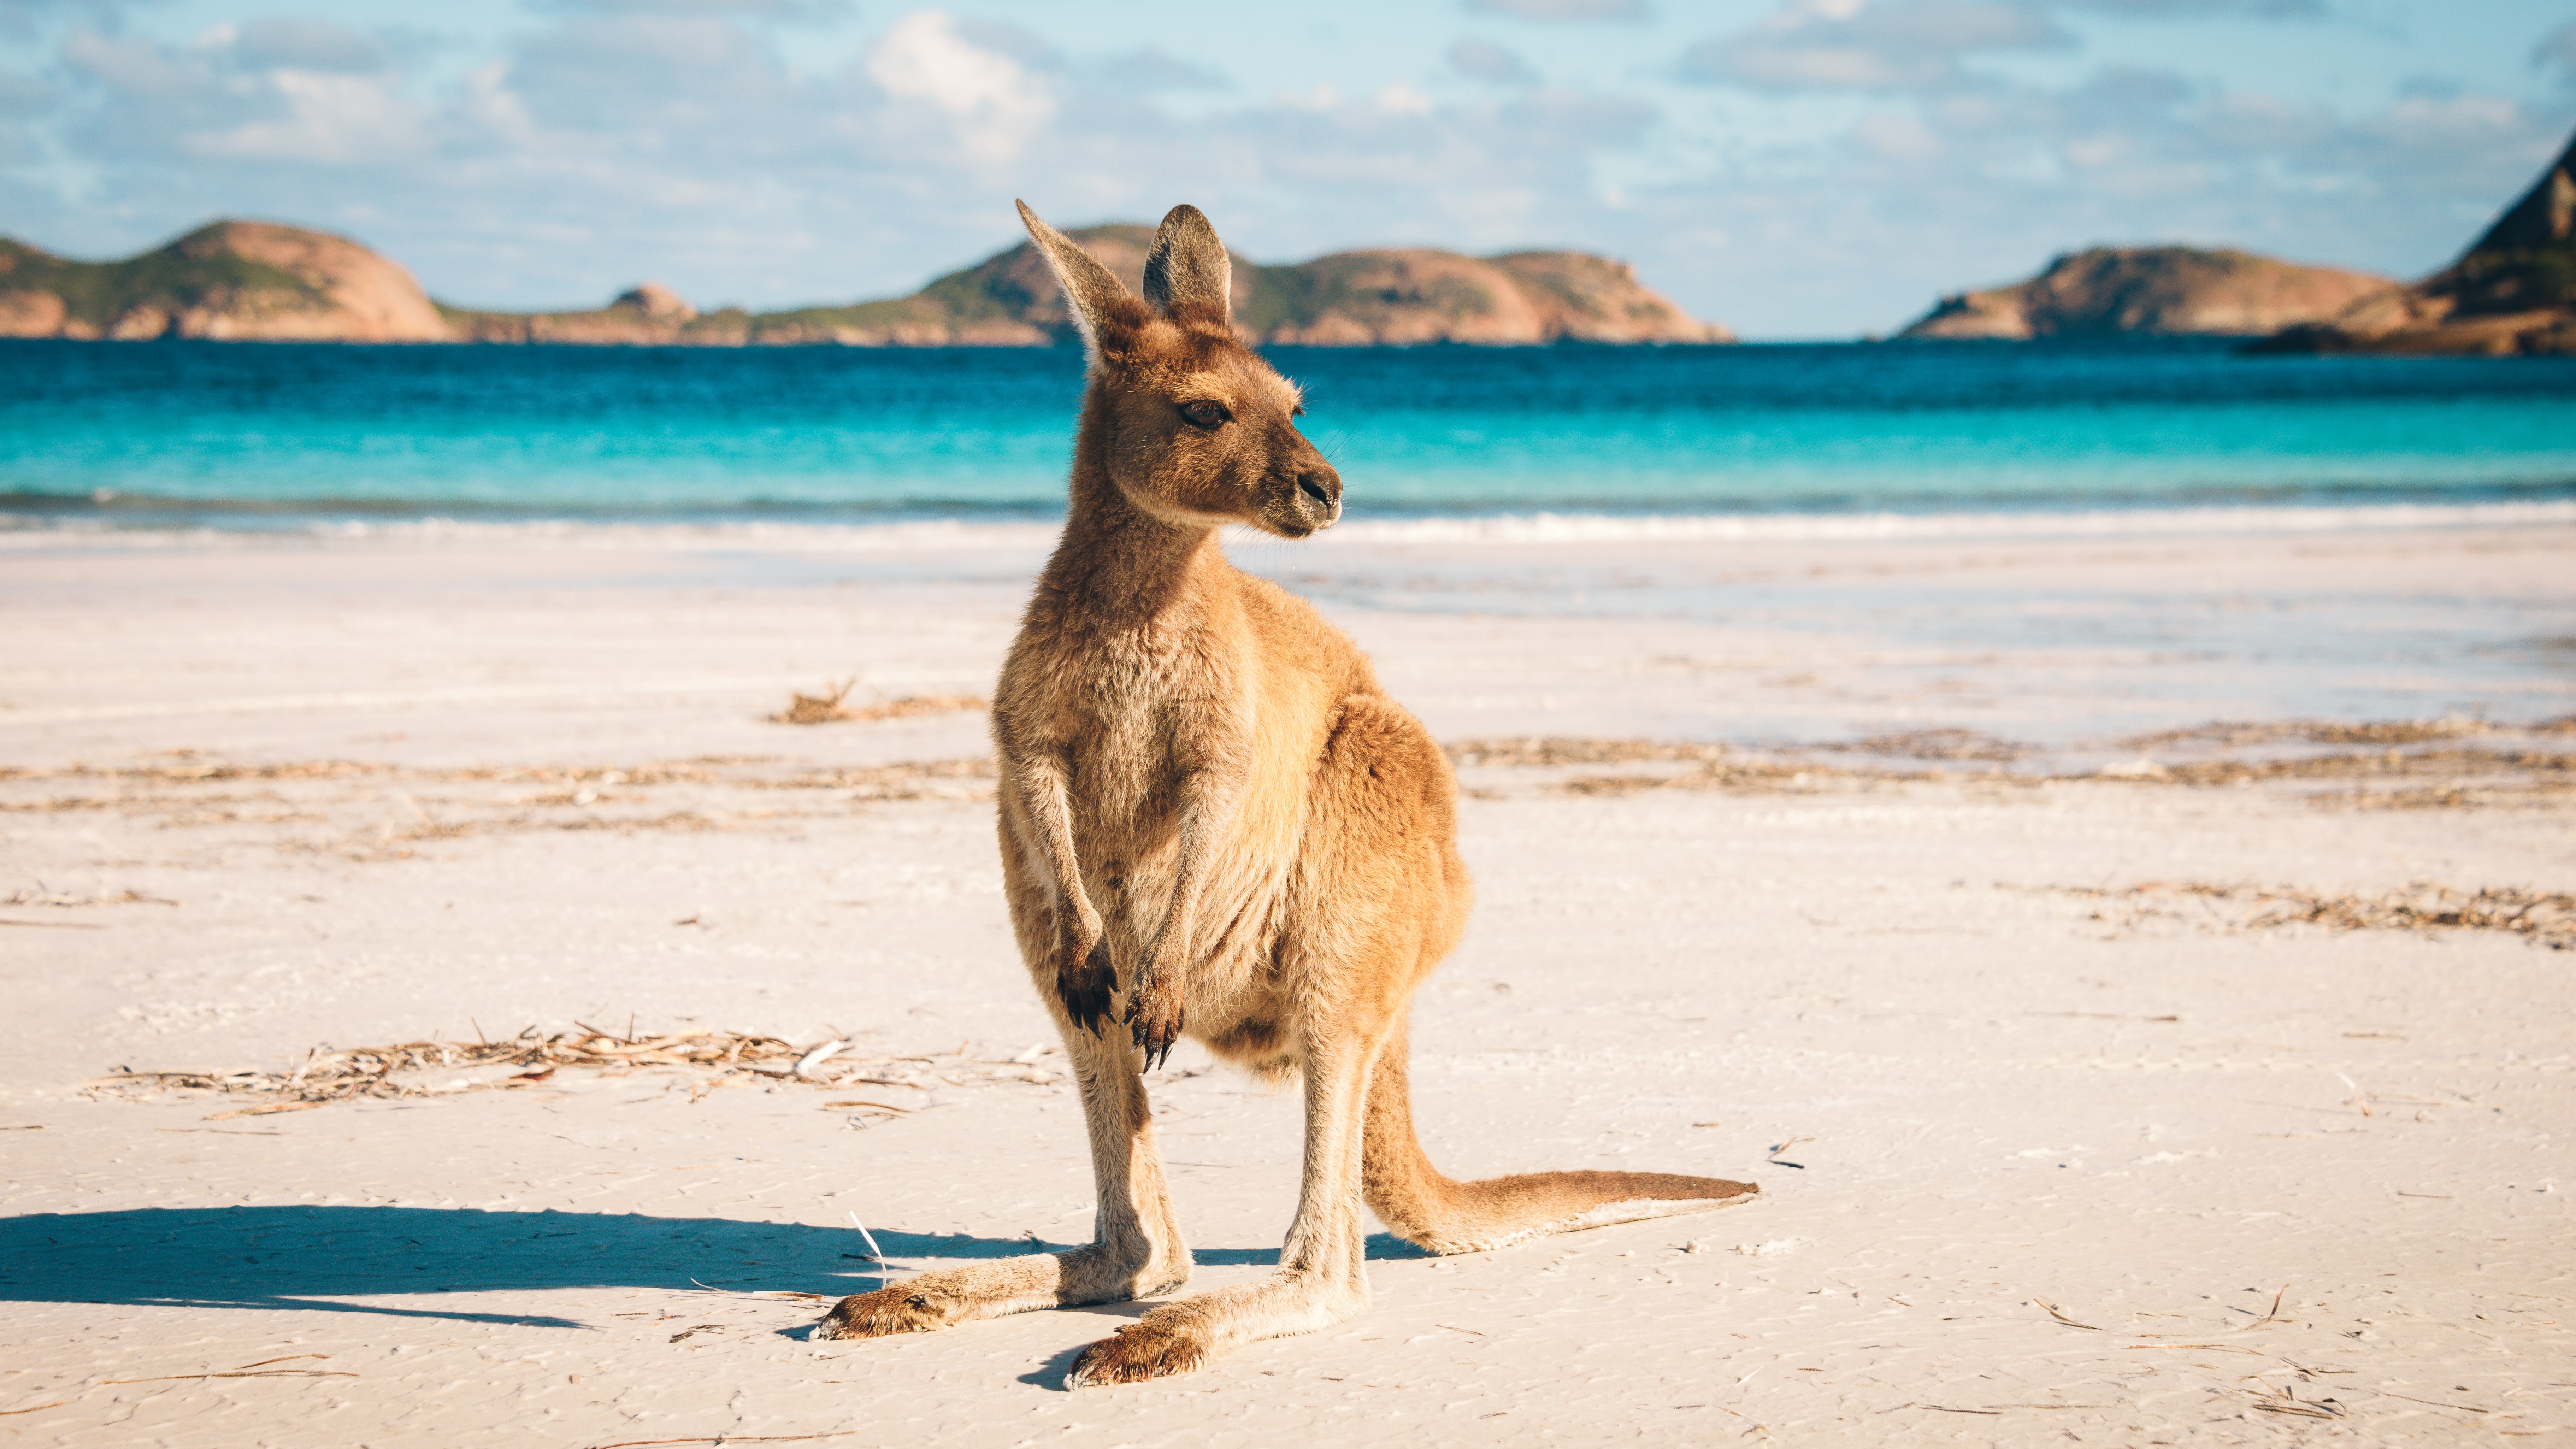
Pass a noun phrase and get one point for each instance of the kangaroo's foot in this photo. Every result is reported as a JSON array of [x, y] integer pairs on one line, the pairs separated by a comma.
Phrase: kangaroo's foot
[[1182, 1337], [1142, 1350], [909, 1307], [991, 1290]]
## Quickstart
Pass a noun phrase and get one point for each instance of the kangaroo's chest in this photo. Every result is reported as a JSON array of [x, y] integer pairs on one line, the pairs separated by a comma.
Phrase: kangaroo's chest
[[1141, 709]]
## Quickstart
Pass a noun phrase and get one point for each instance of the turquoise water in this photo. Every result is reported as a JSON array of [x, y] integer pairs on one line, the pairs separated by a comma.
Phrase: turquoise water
[[247, 435]]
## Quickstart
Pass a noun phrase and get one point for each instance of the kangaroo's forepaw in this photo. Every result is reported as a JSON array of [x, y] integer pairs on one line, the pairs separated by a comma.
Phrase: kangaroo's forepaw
[[899, 1308], [1140, 1351], [1087, 983], [1154, 1015]]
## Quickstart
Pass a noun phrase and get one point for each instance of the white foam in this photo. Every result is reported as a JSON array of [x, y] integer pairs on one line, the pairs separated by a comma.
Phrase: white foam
[[1860, 527], [1516, 530]]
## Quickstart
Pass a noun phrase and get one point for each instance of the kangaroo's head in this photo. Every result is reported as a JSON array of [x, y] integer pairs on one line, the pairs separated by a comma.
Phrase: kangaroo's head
[[1195, 428]]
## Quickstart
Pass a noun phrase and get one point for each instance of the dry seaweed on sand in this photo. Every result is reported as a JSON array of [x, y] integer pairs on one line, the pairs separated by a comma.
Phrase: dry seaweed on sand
[[1544, 750], [829, 708], [339, 1074], [439, 1068], [40, 896], [2546, 917]]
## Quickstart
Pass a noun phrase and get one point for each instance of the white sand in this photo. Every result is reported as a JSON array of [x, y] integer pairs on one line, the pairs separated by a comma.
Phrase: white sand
[[2002, 1091]]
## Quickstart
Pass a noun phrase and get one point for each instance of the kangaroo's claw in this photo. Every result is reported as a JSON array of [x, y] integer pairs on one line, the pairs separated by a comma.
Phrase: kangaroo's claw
[[1154, 1015], [1088, 988]]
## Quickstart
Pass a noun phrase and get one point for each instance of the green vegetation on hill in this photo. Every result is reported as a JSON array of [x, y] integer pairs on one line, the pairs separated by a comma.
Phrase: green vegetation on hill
[[191, 273]]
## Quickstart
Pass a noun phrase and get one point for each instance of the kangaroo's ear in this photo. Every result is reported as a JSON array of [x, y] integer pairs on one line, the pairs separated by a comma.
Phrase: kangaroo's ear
[[1188, 266], [1102, 306]]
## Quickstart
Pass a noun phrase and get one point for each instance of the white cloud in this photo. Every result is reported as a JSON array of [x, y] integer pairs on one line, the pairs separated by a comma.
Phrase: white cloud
[[995, 101], [1561, 9], [1846, 45], [1483, 60], [332, 120]]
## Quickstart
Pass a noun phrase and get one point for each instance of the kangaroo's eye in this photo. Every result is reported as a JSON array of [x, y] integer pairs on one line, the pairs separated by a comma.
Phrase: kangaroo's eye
[[1205, 414]]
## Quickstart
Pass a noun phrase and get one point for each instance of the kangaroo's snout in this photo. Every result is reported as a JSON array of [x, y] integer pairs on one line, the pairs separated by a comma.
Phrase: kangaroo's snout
[[1319, 495]]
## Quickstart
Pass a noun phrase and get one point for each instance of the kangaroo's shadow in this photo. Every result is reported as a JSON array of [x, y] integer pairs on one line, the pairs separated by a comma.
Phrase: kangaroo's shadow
[[303, 1257]]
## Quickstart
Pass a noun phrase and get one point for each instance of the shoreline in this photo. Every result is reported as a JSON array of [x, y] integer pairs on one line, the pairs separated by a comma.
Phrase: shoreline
[[41, 531]]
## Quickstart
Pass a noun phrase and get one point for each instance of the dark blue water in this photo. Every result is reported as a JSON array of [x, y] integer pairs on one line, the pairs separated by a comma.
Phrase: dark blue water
[[260, 435]]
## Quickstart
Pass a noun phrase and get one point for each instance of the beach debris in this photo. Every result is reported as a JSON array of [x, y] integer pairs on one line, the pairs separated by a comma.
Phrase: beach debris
[[828, 707], [255, 1370], [2271, 1314], [1934, 744], [821, 708], [2546, 917], [2283, 1401], [2053, 1312], [533, 1058], [262, 1111], [2335, 732], [730, 1440], [40, 896], [806, 1064], [876, 1254]]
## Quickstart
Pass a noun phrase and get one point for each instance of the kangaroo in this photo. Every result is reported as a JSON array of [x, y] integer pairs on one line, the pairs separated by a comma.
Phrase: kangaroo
[[1215, 823]]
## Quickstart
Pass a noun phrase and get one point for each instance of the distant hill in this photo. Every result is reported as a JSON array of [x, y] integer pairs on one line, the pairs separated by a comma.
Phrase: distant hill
[[258, 280], [2513, 291], [231, 280], [2158, 291], [1372, 298]]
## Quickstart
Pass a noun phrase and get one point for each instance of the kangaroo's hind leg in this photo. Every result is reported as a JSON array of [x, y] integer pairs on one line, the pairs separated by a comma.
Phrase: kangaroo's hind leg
[[1322, 1278], [1135, 1250], [1375, 896]]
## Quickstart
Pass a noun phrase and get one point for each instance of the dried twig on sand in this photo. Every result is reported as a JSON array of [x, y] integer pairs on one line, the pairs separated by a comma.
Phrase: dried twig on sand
[[2271, 1314], [255, 1370], [2062, 1318], [730, 1440]]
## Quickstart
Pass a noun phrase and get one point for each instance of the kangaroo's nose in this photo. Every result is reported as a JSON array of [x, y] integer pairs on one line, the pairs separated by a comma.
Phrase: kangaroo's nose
[[1324, 486]]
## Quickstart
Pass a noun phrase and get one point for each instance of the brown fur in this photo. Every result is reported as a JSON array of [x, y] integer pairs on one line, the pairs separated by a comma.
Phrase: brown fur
[[1213, 821]]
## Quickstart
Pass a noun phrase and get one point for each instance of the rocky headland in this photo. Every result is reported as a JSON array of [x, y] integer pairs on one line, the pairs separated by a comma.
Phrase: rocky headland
[[238, 280], [2513, 291], [2154, 291], [233, 280]]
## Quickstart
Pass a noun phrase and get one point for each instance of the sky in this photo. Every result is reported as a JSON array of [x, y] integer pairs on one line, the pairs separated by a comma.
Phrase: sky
[[1791, 168]]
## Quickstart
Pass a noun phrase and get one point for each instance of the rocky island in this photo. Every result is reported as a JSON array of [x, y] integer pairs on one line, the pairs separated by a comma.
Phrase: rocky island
[[242, 280], [2154, 291], [2513, 291]]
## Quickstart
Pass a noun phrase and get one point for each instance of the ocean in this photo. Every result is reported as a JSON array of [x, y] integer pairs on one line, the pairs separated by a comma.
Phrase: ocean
[[267, 437]]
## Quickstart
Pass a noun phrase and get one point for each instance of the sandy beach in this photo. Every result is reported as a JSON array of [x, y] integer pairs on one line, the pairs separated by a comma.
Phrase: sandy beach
[[2134, 966]]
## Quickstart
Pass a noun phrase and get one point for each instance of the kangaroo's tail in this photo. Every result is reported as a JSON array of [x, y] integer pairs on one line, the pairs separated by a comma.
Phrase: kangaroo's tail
[[1411, 1197]]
